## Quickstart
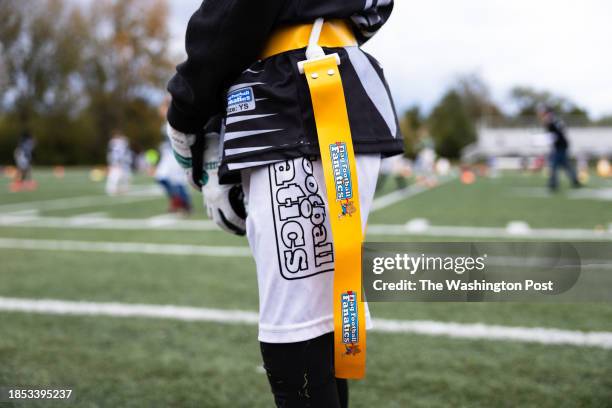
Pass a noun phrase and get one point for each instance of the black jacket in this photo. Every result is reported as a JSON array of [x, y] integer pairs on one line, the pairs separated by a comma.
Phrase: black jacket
[[557, 128], [224, 37]]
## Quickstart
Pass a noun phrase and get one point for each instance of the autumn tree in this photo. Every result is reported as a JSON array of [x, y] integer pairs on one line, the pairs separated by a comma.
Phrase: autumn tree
[[476, 98], [72, 74], [40, 57], [126, 67], [411, 124], [451, 126], [526, 100], [40, 86]]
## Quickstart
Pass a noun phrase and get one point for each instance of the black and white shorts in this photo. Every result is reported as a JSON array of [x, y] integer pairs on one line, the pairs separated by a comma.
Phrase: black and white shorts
[[290, 236]]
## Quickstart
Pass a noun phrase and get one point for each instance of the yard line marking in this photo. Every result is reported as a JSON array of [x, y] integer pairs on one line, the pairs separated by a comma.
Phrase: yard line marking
[[599, 194], [29, 213], [16, 220], [124, 247], [493, 332], [108, 223], [127, 310], [400, 195], [163, 220], [417, 227], [77, 202], [469, 331], [148, 190], [90, 215], [87, 219], [171, 216], [556, 234], [218, 251]]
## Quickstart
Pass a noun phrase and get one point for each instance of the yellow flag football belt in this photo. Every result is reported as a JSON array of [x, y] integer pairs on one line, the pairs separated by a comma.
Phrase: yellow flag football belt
[[339, 168]]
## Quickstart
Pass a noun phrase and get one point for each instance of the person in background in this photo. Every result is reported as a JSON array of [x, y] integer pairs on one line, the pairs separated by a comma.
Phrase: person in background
[[424, 165], [23, 160], [397, 167], [559, 157], [170, 175], [119, 159]]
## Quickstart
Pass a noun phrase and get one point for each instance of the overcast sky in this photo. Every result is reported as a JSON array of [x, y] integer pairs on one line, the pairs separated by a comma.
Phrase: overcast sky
[[561, 45]]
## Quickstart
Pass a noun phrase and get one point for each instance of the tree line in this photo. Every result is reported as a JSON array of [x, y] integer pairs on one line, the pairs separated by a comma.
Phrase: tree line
[[452, 123], [72, 75]]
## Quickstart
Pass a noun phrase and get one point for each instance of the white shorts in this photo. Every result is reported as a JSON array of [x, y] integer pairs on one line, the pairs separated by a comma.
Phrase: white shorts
[[290, 236]]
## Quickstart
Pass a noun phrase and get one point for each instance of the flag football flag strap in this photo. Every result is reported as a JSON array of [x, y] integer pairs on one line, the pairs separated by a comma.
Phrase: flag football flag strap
[[339, 168]]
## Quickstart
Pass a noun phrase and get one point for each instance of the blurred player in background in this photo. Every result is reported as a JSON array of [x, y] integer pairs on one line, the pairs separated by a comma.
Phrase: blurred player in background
[[23, 161], [119, 158], [173, 180], [269, 149], [397, 167], [424, 165], [559, 157], [170, 175]]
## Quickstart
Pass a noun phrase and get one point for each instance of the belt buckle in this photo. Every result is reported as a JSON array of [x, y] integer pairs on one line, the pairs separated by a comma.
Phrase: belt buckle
[[302, 63]]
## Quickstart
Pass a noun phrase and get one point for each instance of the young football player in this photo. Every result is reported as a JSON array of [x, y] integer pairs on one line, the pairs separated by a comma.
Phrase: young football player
[[264, 160], [23, 160], [119, 159]]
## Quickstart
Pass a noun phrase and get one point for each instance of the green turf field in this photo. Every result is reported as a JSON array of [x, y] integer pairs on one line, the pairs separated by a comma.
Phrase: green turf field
[[138, 362]]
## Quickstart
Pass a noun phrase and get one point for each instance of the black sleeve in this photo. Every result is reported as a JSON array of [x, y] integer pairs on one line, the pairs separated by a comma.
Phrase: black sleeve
[[223, 38], [367, 23], [557, 129]]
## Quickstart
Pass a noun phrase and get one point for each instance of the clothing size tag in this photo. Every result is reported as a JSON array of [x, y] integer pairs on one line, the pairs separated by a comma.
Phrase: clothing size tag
[[241, 100]]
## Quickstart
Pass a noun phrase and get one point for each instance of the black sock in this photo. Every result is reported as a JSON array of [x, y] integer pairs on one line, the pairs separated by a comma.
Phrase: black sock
[[302, 374]]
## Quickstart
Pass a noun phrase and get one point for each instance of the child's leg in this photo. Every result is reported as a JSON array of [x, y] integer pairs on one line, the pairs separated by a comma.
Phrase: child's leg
[[289, 233], [165, 183], [302, 374], [183, 195]]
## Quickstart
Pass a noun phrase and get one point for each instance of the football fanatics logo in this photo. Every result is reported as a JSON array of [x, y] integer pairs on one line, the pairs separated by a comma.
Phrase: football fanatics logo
[[342, 178], [350, 322], [303, 241], [241, 100]]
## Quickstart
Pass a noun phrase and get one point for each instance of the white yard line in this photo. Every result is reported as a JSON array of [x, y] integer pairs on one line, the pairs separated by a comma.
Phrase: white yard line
[[102, 223], [79, 202], [412, 228], [400, 195], [490, 232], [493, 332], [478, 331], [163, 220], [90, 215], [123, 247], [217, 251], [16, 220], [82, 220], [23, 213]]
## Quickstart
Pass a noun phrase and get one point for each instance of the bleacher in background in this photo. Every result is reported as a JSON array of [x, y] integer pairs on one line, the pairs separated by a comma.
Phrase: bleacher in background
[[529, 139]]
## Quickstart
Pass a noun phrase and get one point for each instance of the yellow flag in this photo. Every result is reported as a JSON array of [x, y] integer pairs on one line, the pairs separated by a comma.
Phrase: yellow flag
[[339, 168]]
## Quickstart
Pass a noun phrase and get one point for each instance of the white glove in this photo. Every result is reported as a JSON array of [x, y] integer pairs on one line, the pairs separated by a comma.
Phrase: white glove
[[181, 146], [224, 203]]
